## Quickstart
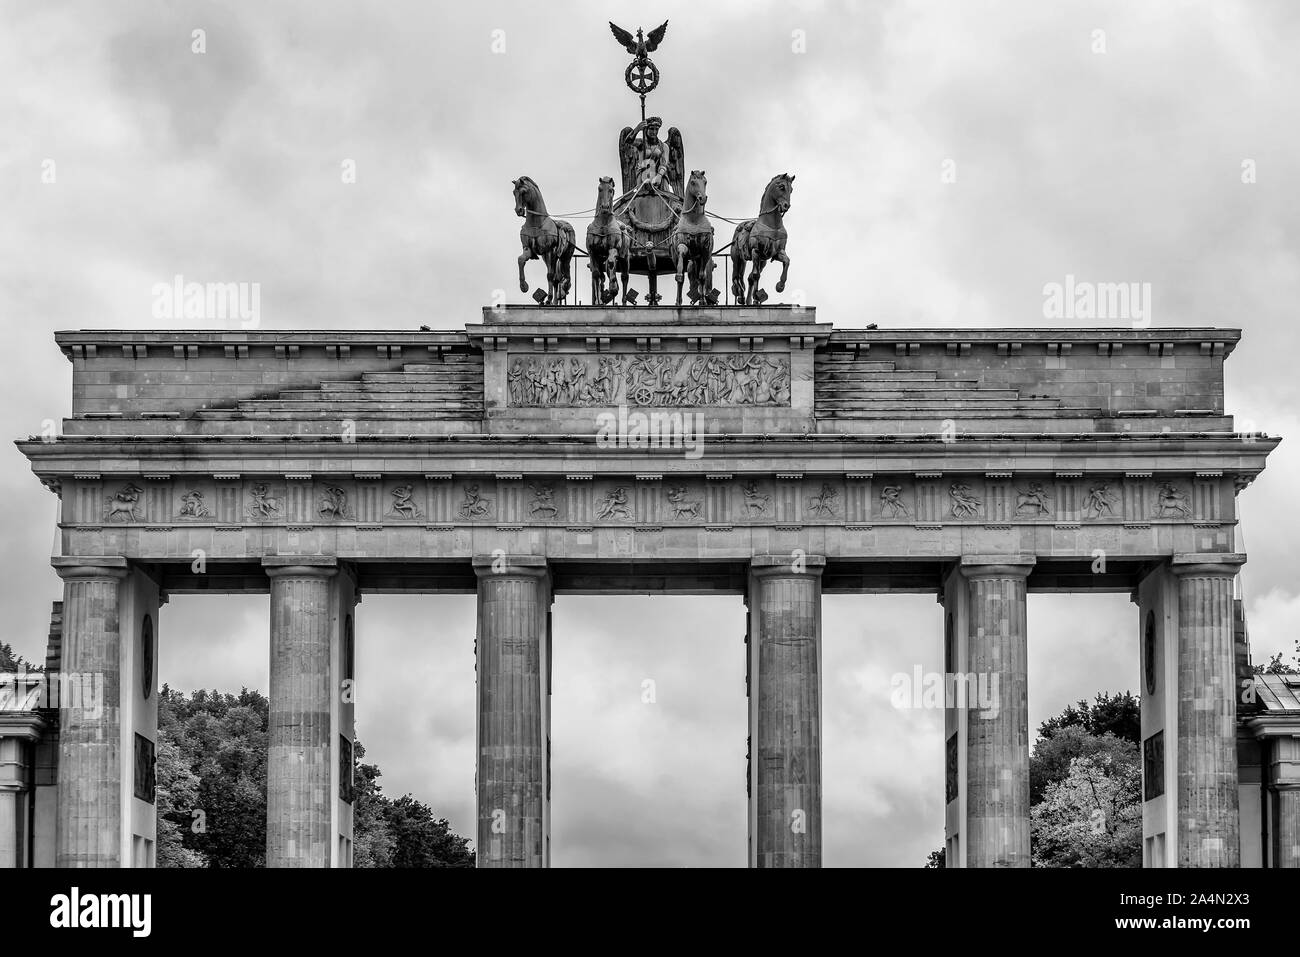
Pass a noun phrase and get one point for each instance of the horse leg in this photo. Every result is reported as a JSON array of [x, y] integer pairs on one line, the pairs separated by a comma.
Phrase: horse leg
[[738, 277], [681, 270], [784, 260], [523, 258], [755, 273], [627, 265], [552, 278], [597, 280]]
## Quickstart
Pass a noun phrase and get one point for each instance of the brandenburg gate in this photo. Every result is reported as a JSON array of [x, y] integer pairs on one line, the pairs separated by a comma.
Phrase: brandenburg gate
[[706, 448]]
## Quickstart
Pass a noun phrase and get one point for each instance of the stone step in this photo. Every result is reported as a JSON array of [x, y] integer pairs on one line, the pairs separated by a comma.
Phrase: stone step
[[419, 388], [452, 364], [965, 401], [854, 374], [1072, 416], [345, 408], [389, 395], [842, 360], [875, 394], [474, 375], [920, 385]]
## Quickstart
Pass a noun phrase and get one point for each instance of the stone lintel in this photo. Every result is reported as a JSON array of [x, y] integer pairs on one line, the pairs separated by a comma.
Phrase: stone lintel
[[772, 566], [300, 566], [489, 566], [997, 566], [1203, 564]]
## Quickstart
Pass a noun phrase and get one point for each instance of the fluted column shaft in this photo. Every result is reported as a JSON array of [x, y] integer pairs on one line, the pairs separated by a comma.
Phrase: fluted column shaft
[[513, 601], [89, 828], [299, 758], [997, 730], [1208, 831], [785, 607]]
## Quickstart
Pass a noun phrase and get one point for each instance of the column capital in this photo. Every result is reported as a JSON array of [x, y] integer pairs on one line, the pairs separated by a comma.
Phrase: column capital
[[997, 566], [788, 565], [72, 567], [300, 566], [1207, 564], [514, 566]]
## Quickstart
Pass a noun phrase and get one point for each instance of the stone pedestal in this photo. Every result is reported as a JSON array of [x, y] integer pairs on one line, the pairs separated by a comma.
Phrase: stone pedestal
[[90, 791], [997, 729], [300, 760], [512, 662], [785, 711], [1208, 828]]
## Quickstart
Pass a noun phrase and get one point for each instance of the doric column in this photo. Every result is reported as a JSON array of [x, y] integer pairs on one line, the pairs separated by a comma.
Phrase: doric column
[[785, 711], [299, 797], [997, 729], [1208, 831], [17, 732], [90, 744], [513, 731]]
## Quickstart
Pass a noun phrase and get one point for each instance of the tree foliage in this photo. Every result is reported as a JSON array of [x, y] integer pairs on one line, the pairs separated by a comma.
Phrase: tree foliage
[[11, 661], [1093, 817], [211, 799], [1118, 714]]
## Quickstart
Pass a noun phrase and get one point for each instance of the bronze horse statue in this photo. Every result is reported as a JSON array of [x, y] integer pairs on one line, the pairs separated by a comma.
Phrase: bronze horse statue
[[760, 241], [693, 242], [609, 247], [550, 240]]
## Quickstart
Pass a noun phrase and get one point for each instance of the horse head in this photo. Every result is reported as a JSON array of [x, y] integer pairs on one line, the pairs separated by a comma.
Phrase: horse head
[[605, 195], [777, 194], [697, 189], [528, 197]]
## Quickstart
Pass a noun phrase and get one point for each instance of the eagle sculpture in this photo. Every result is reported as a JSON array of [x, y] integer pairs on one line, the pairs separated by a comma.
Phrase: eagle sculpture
[[641, 45]]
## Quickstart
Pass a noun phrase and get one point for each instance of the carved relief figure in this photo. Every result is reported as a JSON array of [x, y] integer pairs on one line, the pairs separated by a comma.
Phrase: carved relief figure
[[615, 504], [1172, 502], [650, 380], [123, 502], [1100, 501], [964, 502], [334, 503], [681, 507], [1034, 500], [755, 501], [543, 501], [192, 505], [823, 503], [475, 505], [404, 504], [891, 502], [262, 503]]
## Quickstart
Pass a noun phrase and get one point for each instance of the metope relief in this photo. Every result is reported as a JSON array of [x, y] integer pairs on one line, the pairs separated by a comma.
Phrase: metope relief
[[650, 380]]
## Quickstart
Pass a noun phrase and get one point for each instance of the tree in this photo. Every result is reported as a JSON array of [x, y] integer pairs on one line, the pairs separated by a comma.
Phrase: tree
[[212, 751], [1051, 758], [10, 662], [1093, 817], [401, 832], [1118, 713], [937, 859], [1278, 666]]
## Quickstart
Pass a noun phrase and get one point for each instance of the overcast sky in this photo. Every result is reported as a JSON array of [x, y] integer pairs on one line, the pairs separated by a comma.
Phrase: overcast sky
[[225, 166]]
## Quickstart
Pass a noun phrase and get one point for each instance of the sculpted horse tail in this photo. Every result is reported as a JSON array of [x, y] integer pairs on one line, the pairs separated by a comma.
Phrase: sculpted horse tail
[[760, 241]]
